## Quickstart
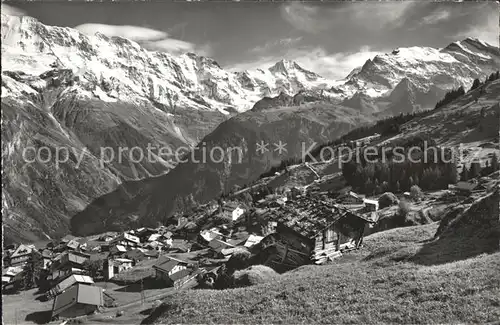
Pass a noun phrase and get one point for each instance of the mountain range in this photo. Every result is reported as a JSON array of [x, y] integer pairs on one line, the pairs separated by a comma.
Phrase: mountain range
[[66, 92]]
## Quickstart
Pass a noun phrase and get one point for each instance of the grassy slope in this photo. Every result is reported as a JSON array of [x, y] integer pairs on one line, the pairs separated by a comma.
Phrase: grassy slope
[[369, 289]]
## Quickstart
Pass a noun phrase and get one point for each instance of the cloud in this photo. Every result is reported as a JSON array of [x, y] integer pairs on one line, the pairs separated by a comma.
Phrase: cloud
[[486, 29], [332, 66], [133, 33], [151, 39], [436, 17], [315, 19], [12, 11], [284, 43], [305, 18], [376, 14]]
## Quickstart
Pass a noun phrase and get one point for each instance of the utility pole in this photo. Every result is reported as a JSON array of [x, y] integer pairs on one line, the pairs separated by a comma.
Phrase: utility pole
[[143, 298]]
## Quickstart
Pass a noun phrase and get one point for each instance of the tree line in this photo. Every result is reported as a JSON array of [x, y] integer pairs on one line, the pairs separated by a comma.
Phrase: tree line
[[456, 93], [379, 175]]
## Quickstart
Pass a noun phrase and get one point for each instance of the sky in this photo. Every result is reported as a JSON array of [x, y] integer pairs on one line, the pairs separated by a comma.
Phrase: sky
[[330, 39]]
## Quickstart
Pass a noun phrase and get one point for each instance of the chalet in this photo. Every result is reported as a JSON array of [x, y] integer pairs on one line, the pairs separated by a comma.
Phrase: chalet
[[187, 230], [180, 245], [117, 250], [21, 255], [9, 274], [209, 235], [312, 232], [115, 266], [126, 239], [227, 252], [253, 240], [104, 247], [467, 188], [354, 198], [106, 238], [371, 205], [171, 270], [239, 239], [77, 300], [68, 263], [217, 245], [72, 245], [152, 237], [70, 281], [137, 254], [155, 245], [66, 239], [233, 210], [145, 233]]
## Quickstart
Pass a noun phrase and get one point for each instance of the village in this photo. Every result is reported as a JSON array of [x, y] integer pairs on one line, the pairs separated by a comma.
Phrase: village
[[281, 228]]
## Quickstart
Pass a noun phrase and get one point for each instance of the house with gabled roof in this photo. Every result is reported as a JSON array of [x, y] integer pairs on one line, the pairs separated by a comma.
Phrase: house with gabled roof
[[77, 300], [68, 263], [312, 231], [217, 245], [371, 205], [145, 233], [467, 188], [170, 270], [69, 281], [118, 250], [126, 239], [73, 245], [66, 239], [253, 240], [115, 266], [10, 273], [21, 255]]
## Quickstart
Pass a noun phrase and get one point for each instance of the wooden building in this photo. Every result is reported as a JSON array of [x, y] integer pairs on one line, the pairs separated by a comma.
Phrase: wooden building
[[77, 300], [174, 272], [21, 255], [311, 232]]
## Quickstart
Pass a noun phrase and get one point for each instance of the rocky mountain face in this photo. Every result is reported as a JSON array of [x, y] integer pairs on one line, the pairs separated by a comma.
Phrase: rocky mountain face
[[92, 105], [415, 78], [249, 145], [84, 97]]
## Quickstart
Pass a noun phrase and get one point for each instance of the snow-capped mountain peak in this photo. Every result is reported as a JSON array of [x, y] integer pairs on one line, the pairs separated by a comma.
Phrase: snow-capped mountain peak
[[136, 74]]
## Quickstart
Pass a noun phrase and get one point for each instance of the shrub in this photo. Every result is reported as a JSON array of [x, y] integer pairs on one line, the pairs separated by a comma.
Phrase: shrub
[[387, 199], [253, 275], [416, 192], [240, 259], [402, 214]]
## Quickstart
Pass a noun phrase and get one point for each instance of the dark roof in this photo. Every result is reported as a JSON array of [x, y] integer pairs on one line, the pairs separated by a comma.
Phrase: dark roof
[[79, 293], [73, 244], [308, 216], [218, 245], [22, 250], [67, 238], [181, 274], [71, 280], [466, 186], [166, 264]]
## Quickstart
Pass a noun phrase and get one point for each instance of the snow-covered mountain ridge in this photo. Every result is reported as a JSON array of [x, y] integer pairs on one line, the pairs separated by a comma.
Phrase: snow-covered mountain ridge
[[117, 69]]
